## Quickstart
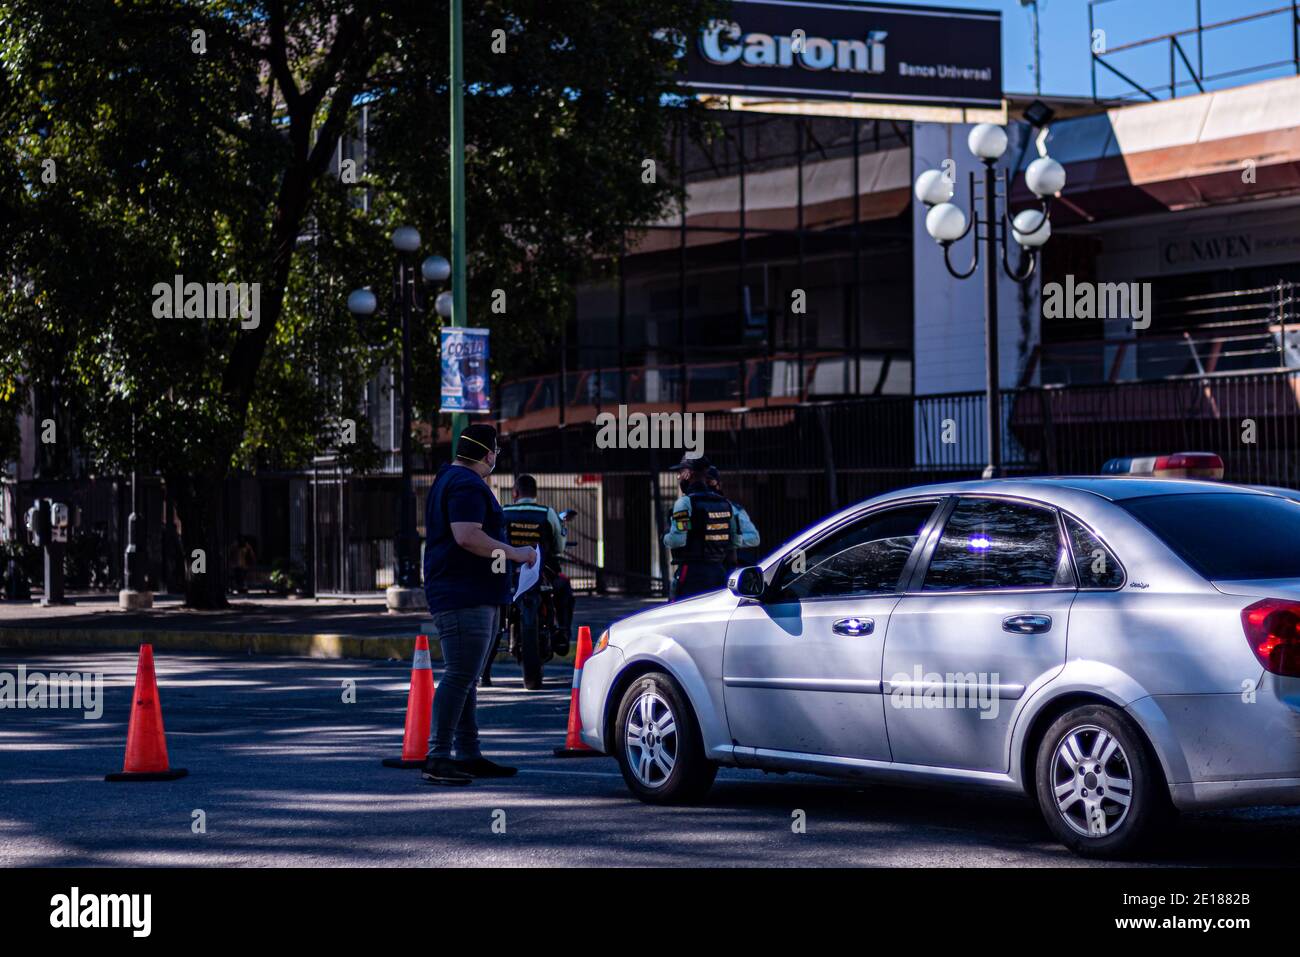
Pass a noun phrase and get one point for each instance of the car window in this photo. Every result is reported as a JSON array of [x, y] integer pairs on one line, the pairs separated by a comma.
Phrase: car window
[[865, 557], [990, 543], [1094, 562], [1225, 535]]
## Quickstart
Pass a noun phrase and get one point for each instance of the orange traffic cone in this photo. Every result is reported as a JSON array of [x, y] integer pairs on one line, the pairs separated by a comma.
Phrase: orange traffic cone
[[146, 744], [574, 747], [419, 710]]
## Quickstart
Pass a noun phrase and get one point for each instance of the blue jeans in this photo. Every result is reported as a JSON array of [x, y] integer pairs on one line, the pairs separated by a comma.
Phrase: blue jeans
[[467, 636]]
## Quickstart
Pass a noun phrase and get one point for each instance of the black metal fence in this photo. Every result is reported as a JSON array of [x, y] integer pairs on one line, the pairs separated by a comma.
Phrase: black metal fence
[[269, 512], [788, 465], [355, 526], [791, 465]]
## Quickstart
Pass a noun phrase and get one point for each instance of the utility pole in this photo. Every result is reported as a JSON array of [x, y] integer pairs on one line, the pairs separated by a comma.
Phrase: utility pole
[[1038, 65]]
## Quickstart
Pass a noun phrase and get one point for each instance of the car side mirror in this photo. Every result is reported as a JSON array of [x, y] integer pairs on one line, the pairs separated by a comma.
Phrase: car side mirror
[[747, 582]]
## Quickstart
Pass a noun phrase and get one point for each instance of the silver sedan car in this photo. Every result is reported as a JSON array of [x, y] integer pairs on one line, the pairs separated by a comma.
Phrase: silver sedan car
[[1115, 648]]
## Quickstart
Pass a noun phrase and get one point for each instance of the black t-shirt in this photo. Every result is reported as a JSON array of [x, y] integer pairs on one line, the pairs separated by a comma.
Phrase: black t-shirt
[[453, 577]]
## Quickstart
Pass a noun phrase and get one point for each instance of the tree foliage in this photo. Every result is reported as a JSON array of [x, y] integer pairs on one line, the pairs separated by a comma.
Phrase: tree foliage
[[145, 140]]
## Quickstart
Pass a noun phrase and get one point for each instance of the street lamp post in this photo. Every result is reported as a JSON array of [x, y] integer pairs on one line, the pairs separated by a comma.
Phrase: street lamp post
[[405, 591], [133, 596], [1030, 228]]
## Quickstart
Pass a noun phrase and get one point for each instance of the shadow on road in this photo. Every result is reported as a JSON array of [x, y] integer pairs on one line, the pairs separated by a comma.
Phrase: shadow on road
[[286, 771]]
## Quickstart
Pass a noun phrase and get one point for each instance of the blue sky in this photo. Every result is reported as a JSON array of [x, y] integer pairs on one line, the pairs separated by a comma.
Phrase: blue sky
[[1065, 42]]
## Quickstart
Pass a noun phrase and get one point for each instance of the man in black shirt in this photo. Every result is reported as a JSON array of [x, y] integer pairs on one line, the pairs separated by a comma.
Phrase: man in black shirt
[[465, 584]]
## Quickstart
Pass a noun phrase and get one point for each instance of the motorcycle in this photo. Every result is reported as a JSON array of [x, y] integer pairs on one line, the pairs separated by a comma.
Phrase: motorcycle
[[536, 626]]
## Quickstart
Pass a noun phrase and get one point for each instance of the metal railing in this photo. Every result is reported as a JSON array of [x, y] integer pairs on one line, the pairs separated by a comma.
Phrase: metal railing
[[1177, 43], [1209, 333], [779, 379], [789, 466], [793, 465]]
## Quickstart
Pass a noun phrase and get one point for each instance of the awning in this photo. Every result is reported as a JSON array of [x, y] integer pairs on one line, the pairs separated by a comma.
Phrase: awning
[[1228, 146]]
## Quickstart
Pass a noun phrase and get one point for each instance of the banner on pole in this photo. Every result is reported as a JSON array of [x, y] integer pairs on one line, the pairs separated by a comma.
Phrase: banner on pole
[[465, 370]]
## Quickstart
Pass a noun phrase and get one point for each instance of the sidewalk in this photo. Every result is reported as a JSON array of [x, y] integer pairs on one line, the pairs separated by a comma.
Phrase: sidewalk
[[261, 625]]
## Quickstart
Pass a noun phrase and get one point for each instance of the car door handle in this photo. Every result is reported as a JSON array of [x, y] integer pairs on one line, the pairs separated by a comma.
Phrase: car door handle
[[854, 627], [1027, 624]]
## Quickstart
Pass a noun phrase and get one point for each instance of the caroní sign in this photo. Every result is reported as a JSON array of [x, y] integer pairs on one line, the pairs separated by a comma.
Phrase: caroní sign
[[823, 49]]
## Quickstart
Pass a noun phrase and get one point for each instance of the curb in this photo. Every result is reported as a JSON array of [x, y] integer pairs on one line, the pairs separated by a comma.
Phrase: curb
[[328, 646], [287, 645]]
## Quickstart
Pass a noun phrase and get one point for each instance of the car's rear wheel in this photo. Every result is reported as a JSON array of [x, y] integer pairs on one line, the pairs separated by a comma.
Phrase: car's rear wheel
[[1099, 788], [658, 745]]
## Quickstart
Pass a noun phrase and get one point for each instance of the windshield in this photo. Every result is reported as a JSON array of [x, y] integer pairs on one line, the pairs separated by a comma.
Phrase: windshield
[[1226, 536]]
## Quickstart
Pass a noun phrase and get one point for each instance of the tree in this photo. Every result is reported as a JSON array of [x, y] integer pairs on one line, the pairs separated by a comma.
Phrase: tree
[[163, 138]]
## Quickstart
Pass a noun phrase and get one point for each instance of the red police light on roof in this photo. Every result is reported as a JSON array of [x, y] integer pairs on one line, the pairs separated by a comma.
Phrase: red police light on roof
[[1202, 465], [1205, 465]]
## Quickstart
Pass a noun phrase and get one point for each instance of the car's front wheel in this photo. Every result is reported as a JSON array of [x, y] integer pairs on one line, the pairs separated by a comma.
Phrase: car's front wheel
[[1099, 788], [658, 745]]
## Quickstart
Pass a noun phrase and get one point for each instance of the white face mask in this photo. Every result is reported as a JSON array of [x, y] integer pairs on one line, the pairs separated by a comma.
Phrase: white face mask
[[487, 452]]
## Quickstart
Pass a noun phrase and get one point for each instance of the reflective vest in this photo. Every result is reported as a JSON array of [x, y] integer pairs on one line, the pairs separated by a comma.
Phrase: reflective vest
[[527, 525], [709, 537]]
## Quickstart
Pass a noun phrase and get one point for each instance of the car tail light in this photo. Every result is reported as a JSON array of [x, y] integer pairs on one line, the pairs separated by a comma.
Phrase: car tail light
[[1273, 630]]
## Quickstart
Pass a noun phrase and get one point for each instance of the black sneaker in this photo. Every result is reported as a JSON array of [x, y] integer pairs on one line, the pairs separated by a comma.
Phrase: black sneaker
[[444, 771], [483, 768]]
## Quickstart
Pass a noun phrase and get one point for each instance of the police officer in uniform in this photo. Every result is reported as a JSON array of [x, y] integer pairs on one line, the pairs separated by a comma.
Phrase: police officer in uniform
[[527, 511], [747, 547], [703, 534], [528, 524]]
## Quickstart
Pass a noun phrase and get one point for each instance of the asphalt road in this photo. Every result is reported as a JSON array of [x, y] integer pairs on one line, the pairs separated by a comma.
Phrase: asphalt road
[[286, 773]]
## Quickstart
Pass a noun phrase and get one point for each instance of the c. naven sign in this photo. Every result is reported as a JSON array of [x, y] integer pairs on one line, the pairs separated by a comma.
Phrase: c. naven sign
[[803, 49]]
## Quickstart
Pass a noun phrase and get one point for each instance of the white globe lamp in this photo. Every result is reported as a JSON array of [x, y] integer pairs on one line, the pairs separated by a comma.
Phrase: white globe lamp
[[1045, 177], [1030, 228], [946, 223], [362, 302], [406, 239], [988, 141], [933, 187]]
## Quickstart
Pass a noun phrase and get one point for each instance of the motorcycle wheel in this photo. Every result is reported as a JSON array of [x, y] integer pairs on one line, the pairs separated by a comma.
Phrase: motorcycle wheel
[[545, 630], [529, 656]]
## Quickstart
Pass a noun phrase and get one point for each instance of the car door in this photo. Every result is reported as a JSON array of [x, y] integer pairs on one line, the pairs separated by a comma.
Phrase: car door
[[801, 667], [981, 625]]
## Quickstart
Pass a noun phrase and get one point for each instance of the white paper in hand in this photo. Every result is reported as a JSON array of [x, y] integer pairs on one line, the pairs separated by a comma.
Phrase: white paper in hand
[[528, 574]]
